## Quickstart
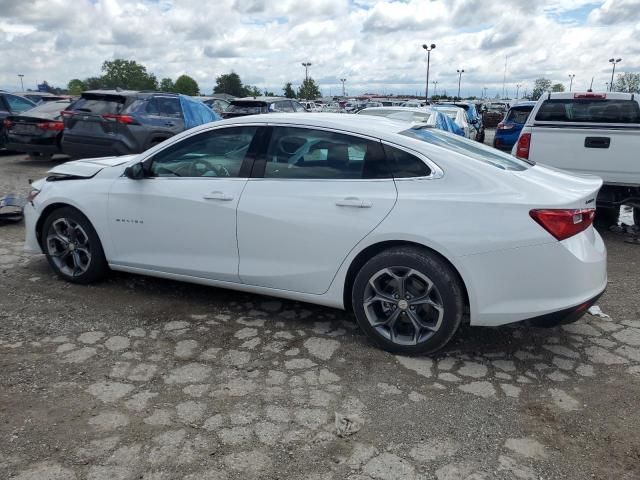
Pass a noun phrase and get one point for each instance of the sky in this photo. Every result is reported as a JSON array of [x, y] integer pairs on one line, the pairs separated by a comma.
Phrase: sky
[[376, 45]]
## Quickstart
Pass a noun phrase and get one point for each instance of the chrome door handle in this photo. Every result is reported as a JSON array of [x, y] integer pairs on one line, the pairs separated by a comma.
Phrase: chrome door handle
[[354, 202], [218, 196]]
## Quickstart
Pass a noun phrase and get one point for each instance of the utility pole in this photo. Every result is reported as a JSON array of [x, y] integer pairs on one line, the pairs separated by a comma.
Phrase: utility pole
[[571, 77], [614, 62], [21, 83], [460, 72], [435, 87], [428, 48], [485, 92], [306, 66], [517, 90], [343, 91], [504, 77]]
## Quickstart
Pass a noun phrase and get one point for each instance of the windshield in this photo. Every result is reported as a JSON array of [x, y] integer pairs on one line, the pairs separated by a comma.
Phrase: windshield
[[247, 107], [518, 115], [468, 148]]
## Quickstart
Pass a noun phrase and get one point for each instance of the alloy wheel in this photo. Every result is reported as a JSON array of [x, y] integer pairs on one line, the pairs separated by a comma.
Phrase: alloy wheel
[[68, 247], [403, 305]]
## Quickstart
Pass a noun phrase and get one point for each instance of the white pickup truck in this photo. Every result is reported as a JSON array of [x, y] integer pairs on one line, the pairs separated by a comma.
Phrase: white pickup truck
[[594, 133]]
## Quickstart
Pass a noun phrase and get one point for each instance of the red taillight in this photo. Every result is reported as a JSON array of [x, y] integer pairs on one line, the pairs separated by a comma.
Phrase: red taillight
[[524, 142], [564, 223], [53, 126], [126, 119], [7, 123]]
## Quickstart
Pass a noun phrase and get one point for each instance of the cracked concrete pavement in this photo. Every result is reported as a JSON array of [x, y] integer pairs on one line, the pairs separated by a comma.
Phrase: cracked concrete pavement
[[141, 378]]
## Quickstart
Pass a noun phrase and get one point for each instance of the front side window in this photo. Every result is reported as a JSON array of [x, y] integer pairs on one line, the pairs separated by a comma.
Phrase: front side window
[[216, 153], [305, 153]]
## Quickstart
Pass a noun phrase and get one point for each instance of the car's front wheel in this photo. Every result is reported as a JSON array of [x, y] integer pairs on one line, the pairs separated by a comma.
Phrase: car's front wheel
[[72, 246], [408, 301]]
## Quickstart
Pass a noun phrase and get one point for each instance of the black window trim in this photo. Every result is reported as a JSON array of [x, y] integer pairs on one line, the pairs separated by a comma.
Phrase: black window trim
[[260, 165], [256, 146]]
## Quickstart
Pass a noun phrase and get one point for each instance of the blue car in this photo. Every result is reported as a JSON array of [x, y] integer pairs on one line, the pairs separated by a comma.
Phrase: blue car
[[508, 130]]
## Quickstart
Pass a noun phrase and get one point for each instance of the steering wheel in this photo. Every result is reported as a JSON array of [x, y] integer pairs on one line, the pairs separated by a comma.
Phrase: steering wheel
[[198, 167]]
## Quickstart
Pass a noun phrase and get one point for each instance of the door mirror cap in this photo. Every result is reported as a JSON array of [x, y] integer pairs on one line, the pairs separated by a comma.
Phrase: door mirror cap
[[135, 171]]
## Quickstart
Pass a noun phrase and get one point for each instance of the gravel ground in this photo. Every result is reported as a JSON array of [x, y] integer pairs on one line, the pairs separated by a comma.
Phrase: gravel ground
[[141, 378]]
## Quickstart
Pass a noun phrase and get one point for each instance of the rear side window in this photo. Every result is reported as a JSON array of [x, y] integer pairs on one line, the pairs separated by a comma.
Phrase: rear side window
[[469, 148], [99, 106], [403, 164], [304, 153], [18, 104], [589, 111], [164, 107], [518, 115]]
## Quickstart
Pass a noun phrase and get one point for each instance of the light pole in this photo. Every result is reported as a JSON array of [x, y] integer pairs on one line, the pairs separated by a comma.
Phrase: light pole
[[485, 92], [460, 72], [343, 80], [428, 48], [435, 87], [571, 76], [611, 60], [607, 86], [21, 83], [517, 90], [306, 66]]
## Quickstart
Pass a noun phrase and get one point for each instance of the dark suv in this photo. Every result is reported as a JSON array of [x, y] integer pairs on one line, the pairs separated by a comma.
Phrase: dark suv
[[111, 122], [11, 105], [256, 105]]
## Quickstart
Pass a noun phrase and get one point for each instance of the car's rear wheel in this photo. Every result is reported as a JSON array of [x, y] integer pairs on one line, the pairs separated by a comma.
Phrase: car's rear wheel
[[636, 216], [408, 301], [72, 247]]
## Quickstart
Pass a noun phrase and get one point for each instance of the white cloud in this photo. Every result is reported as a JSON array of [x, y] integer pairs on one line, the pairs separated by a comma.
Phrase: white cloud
[[375, 44]]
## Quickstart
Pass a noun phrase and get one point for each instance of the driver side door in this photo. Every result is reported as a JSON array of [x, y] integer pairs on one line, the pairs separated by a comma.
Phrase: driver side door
[[181, 218]]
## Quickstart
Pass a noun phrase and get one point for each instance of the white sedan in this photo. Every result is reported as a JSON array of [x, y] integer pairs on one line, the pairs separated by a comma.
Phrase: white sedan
[[413, 230]]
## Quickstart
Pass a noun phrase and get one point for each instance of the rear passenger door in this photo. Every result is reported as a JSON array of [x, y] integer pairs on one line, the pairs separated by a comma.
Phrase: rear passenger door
[[314, 194], [165, 115]]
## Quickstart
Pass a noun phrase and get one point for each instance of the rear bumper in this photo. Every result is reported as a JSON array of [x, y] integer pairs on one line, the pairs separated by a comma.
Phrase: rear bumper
[[513, 285], [92, 147], [563, 317], [31, 148]]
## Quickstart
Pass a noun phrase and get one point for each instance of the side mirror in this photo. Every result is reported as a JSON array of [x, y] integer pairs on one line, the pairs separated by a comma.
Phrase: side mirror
[[135, 171]]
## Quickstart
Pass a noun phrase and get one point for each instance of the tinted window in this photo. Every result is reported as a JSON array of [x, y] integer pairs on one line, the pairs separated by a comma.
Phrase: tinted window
[[466, 147], [299, 108], [99, 106], [317, 154], [217, 153], [250, 108], [169, 106], [518, 115], [405, 165], [18, 104], [284, 106], [589, 110]]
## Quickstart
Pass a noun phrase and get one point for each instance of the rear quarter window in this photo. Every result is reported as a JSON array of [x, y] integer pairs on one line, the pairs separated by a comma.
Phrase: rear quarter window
[[589, 111], [469, 148]]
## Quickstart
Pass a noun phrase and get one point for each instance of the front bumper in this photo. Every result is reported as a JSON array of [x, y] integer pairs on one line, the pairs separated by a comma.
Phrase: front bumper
[[31, 244]]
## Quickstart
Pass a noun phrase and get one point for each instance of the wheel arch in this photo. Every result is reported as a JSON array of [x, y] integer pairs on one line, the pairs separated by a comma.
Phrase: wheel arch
[[47, 211], [372, 250]]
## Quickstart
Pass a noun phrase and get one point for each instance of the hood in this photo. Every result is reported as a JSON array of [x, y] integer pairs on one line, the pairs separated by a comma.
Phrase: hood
[[89, 167]]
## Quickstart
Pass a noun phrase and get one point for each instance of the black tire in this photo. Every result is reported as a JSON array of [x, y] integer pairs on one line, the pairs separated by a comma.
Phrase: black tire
[[75, 265], [607, 216], [636, 216], [447, 288]]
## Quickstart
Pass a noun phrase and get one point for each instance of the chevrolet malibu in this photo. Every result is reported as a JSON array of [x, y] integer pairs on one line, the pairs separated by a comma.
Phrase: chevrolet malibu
[[414, 230]]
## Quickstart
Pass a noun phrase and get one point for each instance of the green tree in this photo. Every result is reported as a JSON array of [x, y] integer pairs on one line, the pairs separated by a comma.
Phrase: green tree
[[93, 83], [557, 87], [229, 83], [186, 85], [127, 74], [76, 86], [308, 90], [251, 91], [288, 90], [166, 85], [540, 86], [627, 82], [267, 93]]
